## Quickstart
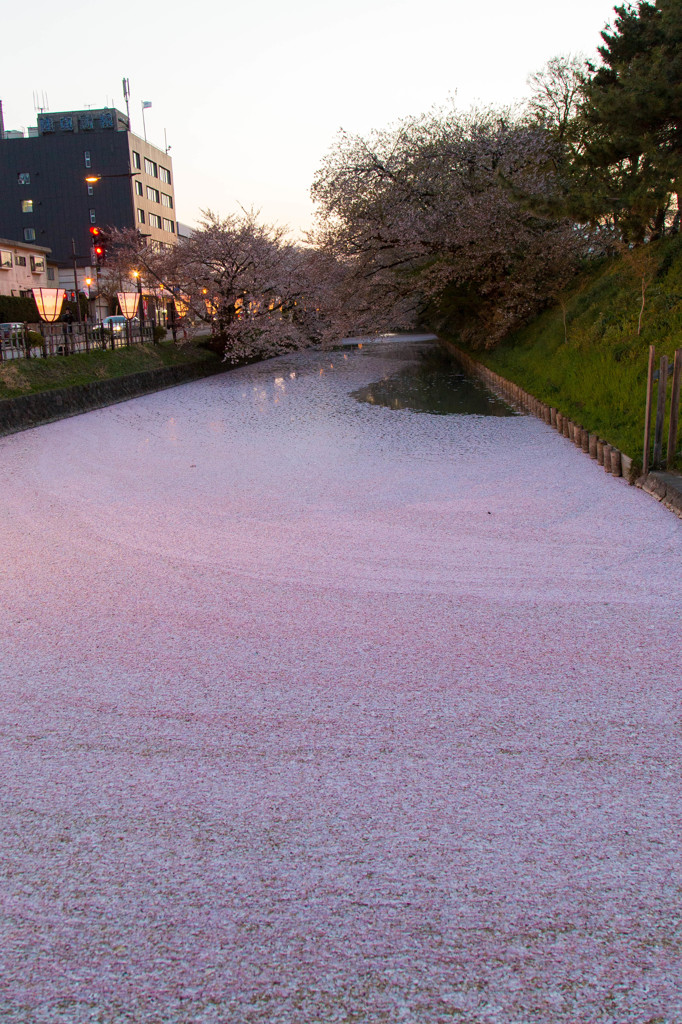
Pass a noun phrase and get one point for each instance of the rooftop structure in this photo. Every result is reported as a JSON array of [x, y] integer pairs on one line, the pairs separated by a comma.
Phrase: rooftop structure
[[44, 195]]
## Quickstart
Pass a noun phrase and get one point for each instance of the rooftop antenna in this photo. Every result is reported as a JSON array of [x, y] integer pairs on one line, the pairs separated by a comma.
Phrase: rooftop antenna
[[165, 140], [126, 96]]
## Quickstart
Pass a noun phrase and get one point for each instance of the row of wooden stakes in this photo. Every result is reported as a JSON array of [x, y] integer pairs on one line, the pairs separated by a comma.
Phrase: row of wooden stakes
[[664, 371], [606, 455]]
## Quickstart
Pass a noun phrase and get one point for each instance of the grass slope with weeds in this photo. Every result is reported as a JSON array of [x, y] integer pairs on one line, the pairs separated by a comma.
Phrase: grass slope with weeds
[[585, 357], [30, 376]]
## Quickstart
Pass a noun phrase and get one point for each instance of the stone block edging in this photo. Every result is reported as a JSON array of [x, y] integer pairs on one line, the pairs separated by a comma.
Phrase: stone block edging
[[25, 411], [664, 487]]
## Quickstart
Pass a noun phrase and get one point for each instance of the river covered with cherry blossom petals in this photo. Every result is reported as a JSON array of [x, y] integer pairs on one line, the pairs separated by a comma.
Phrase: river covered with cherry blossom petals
[[315, 710]]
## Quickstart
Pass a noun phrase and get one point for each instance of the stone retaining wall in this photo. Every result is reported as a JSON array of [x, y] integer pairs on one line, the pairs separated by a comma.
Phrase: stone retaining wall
[[31, 410]]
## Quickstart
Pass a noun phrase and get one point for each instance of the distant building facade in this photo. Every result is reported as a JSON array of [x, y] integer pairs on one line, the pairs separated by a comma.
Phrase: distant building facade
[[24, 267], [45, 199]]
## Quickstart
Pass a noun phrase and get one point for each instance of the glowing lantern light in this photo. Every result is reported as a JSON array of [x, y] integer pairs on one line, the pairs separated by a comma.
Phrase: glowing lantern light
[[128, 302], [49, 303]]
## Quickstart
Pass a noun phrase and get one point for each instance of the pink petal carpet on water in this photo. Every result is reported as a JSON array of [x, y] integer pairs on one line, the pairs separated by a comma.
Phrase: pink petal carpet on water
[[316, 711]]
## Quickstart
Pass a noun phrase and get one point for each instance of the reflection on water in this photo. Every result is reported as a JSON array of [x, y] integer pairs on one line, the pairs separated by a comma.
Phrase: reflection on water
[[432, 384]]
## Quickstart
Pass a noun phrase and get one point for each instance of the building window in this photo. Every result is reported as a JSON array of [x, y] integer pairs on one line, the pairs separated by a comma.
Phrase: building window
[[29, 234], [140, 216], [93, 218], [167, 200], [23, 178], [88, 162], [152, 194], [5, 259], [19, 261], [168, 225], [151, 168], [138, 187], [27, 206], [37, 264], [154, 220], [136, 160], [164, 174], [50, 273], [91, 190]]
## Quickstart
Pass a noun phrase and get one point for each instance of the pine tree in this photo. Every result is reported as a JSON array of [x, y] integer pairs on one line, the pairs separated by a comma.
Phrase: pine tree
[[627, 138]]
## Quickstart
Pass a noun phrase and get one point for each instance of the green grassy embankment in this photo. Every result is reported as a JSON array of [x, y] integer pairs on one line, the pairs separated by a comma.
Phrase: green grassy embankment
[[30, 376], [595, 370]]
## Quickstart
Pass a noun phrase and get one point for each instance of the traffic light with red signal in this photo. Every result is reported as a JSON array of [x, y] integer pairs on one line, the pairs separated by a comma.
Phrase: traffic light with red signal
[[99, 245]]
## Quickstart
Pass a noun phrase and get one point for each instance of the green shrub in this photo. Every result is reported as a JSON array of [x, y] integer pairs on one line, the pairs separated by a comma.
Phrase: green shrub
[[18, 309]]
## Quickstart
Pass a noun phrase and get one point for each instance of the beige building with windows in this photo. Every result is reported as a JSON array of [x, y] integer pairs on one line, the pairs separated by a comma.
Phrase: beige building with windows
[[24, 266], [153, 193]]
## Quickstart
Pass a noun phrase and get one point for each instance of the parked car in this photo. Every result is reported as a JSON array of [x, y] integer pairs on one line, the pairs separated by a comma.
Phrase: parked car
[[10, 333], [117, 324]]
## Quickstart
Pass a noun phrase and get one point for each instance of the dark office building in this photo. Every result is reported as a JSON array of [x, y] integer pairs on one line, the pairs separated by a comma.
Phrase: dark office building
[[44, 197]]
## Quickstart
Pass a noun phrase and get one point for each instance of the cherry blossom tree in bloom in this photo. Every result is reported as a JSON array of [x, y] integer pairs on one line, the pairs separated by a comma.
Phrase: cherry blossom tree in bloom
[[439, 207], [244, 281], [256, 291]]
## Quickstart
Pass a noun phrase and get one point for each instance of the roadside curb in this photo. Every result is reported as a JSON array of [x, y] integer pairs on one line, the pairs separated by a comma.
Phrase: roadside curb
[[665, 487], [26, 411]]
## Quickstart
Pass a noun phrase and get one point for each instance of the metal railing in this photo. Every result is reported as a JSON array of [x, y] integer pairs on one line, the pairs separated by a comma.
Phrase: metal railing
[[37, 341]]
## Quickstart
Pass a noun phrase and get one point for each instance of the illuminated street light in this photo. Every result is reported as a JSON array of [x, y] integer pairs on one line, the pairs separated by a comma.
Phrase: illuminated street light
[[93, 178]]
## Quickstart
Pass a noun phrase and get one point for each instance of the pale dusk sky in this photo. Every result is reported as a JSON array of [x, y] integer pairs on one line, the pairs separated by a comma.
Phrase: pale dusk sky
[[251, 95]]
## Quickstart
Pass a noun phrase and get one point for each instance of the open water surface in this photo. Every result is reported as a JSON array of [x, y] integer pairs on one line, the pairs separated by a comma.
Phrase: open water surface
[[431, 383]]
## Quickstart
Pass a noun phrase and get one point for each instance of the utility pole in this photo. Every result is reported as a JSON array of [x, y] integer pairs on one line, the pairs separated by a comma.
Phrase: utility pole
[[75, 281]]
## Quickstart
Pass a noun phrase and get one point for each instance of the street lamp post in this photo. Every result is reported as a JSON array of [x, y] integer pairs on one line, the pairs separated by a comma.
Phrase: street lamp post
[[75, 281]]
